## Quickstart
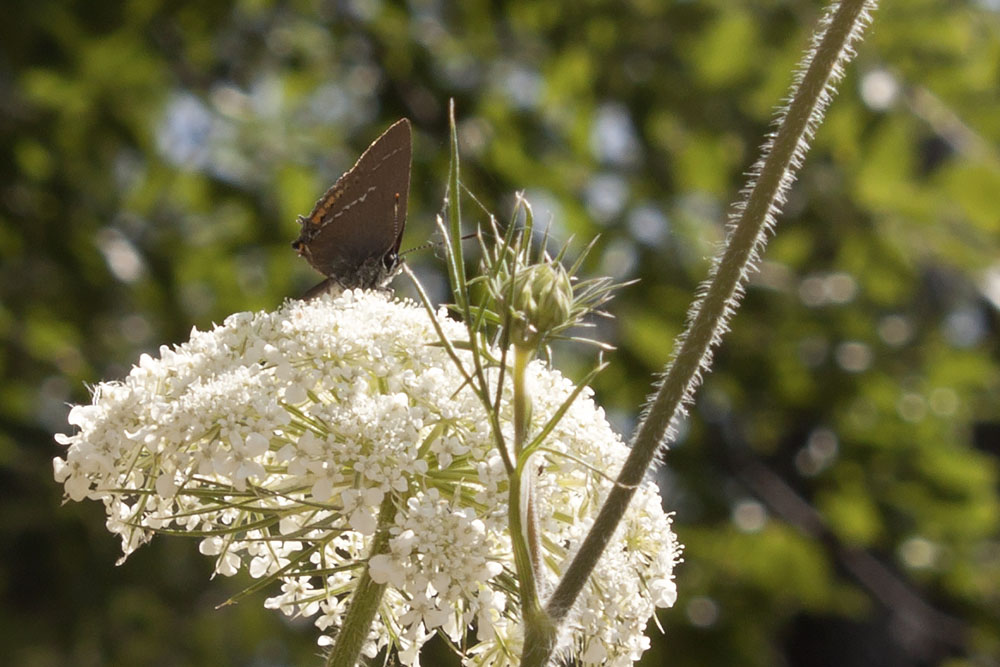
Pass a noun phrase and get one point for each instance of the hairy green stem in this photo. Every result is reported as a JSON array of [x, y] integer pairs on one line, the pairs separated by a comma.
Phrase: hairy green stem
[[523, 531], [365, 600], [772, 175], [522, 420], [522, 402]]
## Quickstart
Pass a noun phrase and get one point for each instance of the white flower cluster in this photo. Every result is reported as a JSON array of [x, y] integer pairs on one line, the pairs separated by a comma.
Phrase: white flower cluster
[[279, 436]]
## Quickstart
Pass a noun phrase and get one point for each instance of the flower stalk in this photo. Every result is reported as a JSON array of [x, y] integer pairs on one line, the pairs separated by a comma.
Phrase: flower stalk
[[527, 300], [365, 599], [521, 496]]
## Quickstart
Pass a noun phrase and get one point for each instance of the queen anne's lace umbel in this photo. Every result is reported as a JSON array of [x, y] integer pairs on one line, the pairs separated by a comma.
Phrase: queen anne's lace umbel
[[276, 437]]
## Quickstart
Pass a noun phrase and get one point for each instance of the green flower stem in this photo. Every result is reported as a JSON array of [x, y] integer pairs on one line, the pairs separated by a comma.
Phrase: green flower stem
[[522, 419], [523, 528], [540, 634], [365, 600], [460, 287], [456, 265], [522, 402], [530, 603], [772, 175]]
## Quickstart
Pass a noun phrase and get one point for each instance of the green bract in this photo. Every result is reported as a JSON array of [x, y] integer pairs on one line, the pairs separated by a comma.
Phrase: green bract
[[541, 299]]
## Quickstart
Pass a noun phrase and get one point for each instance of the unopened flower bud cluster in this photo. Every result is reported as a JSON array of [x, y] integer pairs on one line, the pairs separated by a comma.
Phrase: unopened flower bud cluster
[[540, 300], [281, 434]]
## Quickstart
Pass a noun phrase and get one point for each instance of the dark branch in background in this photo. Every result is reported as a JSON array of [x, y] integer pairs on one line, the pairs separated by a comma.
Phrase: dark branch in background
[[923, 631]]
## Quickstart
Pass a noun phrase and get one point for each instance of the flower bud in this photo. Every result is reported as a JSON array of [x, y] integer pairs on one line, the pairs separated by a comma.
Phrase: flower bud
[[541, 300]]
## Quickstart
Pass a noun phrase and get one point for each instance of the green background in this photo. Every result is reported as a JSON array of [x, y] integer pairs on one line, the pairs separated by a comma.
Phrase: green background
[[836, 482]]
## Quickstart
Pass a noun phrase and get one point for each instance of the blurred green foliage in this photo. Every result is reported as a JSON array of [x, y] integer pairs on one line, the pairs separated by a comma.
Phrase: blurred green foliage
[[836, 483]]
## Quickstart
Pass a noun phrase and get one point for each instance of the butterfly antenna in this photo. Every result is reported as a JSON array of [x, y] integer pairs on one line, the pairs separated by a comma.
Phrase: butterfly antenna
[[433, 244]]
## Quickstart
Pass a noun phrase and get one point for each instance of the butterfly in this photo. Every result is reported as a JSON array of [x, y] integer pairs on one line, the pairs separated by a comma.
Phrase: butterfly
[[353, 234]]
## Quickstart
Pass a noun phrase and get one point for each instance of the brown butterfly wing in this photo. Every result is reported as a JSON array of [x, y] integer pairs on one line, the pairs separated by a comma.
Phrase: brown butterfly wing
[[360, 220]]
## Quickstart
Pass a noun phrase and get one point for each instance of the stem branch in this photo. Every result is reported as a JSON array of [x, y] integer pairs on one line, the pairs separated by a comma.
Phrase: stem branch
[[365, 600]]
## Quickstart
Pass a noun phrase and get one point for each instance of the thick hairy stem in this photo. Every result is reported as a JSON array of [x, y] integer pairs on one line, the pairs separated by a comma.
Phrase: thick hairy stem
[[754, 215], [365, 600]]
